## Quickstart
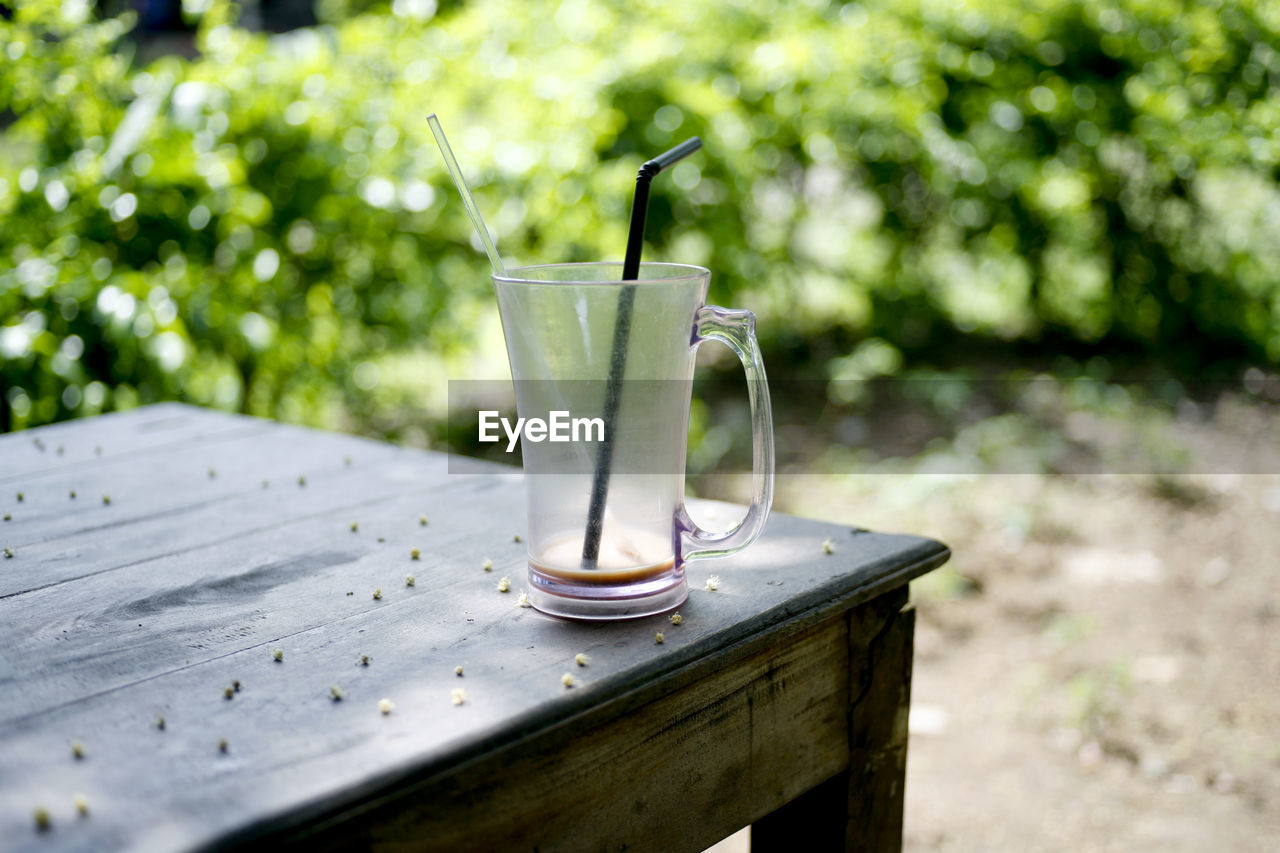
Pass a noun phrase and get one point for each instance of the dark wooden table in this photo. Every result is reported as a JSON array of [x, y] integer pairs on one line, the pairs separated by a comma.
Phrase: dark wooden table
[[162, 555]]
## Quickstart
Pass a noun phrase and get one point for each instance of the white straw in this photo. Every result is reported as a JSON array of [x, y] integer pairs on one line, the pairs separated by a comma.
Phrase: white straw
[[470, 203], [467, 201]]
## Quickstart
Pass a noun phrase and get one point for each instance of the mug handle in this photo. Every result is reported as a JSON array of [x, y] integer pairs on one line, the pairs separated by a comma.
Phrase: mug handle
[[737, 329]]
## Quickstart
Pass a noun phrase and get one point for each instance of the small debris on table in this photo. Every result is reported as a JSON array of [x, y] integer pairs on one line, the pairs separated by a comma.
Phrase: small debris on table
[[567, 679], [713, 583], [77, 750], [73, 494], [212, 473], [675, 618], [106, 500], [222, 745], [523, 600], [504, 584], [302, 481], [278, 654], [580, 659], [20, 498], [41, 816], [228, 691], [487, 565], [457, 670], [235, 685], [355, 527], [346, 460], [8, 517], [8, 553], [516, 538], [828, 546], [364, 660], [410, 580], [414, 554], [386, 706], [82, 804], [422, 520], [160, 723], [659, 639], [335, 693], [458, 695], [377, 594]]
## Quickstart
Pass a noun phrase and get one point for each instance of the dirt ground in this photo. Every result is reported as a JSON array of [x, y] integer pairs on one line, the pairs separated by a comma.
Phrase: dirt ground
[[1098, 668]]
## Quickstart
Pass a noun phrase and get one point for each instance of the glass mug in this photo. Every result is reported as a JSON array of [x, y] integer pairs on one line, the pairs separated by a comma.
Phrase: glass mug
[[561, 323]]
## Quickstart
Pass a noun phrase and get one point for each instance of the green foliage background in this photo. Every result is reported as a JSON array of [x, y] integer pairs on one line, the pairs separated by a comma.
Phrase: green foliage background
[[268, 227]]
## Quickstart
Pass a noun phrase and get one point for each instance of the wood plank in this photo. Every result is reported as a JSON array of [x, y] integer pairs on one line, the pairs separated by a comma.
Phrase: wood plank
[[860, 809], [878, 736], [678, 773], [136, 433], [228, 585], [169, 502], [112, 629], [242, 452]]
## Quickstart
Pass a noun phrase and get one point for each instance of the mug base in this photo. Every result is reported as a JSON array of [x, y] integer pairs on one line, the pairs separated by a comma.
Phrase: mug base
[[590, 602]]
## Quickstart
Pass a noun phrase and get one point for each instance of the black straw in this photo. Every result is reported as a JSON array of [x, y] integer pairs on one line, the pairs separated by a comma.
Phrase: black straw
[[621, 337]]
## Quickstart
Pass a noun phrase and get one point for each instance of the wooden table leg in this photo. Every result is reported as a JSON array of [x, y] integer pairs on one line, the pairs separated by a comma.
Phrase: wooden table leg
[[860, 809]]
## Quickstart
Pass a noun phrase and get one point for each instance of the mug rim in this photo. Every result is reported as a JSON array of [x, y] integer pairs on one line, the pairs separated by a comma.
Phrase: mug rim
[[690, 272]]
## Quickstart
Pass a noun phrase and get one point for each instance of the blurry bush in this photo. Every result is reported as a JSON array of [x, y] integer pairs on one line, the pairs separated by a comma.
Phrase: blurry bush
[[262, 227]]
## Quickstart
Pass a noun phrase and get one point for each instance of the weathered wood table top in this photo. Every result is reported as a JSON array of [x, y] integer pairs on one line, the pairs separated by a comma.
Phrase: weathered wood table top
[[160, 556]]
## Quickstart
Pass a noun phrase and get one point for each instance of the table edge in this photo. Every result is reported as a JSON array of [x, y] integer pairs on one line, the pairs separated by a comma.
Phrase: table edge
[[662, 675]]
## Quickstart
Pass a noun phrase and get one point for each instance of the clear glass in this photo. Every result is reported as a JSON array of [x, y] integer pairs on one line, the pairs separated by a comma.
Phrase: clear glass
[[560, 326]]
